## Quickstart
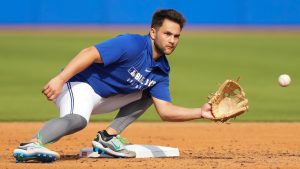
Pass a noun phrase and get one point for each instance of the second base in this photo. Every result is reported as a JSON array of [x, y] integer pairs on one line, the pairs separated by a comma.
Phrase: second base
[[142, 151]]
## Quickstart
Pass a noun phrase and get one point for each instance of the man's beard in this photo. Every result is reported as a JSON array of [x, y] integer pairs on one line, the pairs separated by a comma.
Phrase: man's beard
[[159, 49]]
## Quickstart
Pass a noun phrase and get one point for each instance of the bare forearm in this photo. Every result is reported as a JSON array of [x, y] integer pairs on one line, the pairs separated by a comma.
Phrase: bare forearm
[[176, 113], [171, 112], [80, 62]]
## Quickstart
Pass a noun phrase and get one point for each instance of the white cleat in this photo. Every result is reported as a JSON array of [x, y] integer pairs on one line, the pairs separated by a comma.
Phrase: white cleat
[[33, 151]]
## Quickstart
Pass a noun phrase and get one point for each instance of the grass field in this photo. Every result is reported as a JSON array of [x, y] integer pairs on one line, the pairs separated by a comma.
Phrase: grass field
[[28, 59]]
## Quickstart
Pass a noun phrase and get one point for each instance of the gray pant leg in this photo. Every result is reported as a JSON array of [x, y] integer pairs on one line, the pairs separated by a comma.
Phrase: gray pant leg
[[130, 113], [54, 129]]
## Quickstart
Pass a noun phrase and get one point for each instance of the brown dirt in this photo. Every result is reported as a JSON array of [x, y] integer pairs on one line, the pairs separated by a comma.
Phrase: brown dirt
[[202, 145]]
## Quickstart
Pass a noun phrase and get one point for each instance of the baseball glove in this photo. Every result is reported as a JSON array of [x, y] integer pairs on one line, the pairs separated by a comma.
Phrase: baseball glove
[[228, 102]]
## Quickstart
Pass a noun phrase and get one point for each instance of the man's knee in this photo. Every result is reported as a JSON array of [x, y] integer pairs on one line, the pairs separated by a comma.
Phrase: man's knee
[[75, 121]]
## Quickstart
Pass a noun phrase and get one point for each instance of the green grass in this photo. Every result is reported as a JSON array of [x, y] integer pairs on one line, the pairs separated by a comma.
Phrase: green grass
[[202, 60]]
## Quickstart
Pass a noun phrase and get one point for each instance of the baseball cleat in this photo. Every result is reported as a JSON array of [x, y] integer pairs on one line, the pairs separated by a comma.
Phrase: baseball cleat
[[113, 146], [33, 151]]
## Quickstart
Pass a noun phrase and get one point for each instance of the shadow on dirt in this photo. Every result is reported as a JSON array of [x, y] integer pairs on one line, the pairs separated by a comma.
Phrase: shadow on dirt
[[70, 157]]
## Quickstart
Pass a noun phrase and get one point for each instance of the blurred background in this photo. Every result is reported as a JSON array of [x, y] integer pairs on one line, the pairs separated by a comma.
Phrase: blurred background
[[254, 40], [214, 12]]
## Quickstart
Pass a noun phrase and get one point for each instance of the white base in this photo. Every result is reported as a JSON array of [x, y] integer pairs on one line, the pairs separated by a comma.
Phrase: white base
[[142, 151]]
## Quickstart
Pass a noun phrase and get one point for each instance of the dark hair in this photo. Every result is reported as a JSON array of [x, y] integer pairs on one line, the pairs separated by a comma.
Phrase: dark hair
[[160, 15]]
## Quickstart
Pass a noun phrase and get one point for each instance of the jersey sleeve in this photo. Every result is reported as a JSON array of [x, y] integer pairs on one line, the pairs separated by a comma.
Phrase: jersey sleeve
[[161, 90], [119, 48]]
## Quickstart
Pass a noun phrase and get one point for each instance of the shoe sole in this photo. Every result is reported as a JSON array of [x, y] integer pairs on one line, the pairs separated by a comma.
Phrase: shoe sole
[[40, 157], [104, 153], [97, 147]]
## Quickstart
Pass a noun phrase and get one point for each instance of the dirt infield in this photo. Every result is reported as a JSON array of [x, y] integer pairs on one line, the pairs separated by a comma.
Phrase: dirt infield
[[202, 145]]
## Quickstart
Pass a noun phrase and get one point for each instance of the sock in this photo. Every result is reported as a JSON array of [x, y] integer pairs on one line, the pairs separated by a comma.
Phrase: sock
[[105, 136], [23, 144]]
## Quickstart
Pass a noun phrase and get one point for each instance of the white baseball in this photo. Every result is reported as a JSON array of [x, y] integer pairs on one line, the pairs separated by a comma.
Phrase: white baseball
[[284, 80]]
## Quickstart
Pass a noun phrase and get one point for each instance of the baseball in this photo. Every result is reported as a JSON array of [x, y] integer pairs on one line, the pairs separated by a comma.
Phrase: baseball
[[284, 80]]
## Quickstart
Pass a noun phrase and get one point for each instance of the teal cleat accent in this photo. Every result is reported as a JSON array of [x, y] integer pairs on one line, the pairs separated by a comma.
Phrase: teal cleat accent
[[113, 146]]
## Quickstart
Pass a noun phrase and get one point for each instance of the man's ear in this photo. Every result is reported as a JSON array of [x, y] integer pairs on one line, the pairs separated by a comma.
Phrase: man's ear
[[153, 33]]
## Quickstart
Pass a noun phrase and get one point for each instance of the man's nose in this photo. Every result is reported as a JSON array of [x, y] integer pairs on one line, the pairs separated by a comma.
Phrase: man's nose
[[172, 39]]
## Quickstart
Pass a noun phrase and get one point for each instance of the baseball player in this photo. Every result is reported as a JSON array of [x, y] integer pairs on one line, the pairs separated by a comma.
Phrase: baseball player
[[129, 73]]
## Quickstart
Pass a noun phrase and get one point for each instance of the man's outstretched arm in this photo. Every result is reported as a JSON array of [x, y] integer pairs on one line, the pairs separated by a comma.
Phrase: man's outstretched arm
[[80, 62], [171, 112]]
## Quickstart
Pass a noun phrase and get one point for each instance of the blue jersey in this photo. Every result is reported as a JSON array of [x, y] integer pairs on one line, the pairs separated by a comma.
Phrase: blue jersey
[[127, 67]]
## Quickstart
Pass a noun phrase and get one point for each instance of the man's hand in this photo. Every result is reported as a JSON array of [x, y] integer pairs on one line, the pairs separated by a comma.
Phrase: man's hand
[[53, 88], [206, 112]]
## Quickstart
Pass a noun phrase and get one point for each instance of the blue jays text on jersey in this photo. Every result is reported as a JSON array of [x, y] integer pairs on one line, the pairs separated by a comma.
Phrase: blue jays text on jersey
[[142, 81]]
